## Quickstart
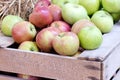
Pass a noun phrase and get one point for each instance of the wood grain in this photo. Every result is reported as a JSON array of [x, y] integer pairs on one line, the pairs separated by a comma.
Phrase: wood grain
[[49, 66]]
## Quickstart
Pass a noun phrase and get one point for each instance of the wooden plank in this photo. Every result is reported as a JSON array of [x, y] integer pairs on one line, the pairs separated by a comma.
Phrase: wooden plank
[[110, 42], [5, 41], [111, 64], [48, 65], [5, 77]]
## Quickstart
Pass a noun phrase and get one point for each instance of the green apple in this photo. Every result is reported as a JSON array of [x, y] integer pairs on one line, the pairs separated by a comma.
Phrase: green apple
[[62, 2], [90, 37], [103, 20], [28, 45], [91, 5], [116, 16], [73, 12], [8, 23], [112, 6]]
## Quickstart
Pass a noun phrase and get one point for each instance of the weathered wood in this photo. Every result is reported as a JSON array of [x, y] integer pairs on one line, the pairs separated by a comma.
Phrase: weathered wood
[[111, 64], [110, 42], [49, 66], [5, 41], [5, 77]]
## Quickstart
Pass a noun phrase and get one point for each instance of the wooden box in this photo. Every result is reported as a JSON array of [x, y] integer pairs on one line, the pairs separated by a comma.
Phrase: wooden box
[[100, 64]]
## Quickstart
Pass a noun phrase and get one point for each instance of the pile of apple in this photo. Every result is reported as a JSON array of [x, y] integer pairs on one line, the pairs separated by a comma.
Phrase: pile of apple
[[63, 26]]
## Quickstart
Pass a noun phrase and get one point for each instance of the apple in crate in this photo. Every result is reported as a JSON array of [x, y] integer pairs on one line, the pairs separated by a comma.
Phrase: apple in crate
[[56, 12], [112, 6], [43, 3], [8, 23], [29, 46], [62, 2], [77, 26], [61, 25], [44, 38], [66, 43], [23, 31], [73, 12], [41, 16], [90, 5], [90, 37], [103, 20]]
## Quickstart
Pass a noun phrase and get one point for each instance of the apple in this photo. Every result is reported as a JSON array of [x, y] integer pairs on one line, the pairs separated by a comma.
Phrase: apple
[[41, 16], [56, 12], [23, 31], [103, 20], [90, 37], [66, 43], [44, 38], [112, 6], [91, 5], [8, 23], [77, 26], [29, 45], [61, 25], [116, 16], [62, 2], [73, 12]]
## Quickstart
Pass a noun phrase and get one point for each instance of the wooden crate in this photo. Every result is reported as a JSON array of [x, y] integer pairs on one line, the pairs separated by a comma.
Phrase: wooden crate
[[100, 64]]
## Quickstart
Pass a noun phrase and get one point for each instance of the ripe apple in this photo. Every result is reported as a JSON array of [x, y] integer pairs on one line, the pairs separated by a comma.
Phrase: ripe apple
[[90, 37], [23, 31], [44, 38], [112, 6], [116, 17], [73, 12], [66, 43], [62, 2], [61, 25], [41, 16], [91, 5], [77, 26], [56, 12], [103, 20], [28, 45], [8, 23]]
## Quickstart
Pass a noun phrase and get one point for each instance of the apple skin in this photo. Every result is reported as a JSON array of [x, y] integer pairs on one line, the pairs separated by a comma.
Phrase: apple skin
[[62, 2], [61, 25], [103, 20], [8, 22], [29, 45], [90, 37], [112, 6], [73, 12], [66, 43], [90, 5], [77, 26], [23, 31], [56, 12], [116, 17], [44, 38], [41, 16]]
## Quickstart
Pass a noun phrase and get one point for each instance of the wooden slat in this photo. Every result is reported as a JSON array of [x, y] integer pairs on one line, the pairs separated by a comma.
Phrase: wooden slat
[[5, 41], [111, 64], [5, 77], [110, 42], [48, 65]]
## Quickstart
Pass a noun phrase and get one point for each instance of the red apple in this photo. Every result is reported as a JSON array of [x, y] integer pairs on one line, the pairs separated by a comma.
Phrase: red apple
[[66, 43], [23, 31], [61, 25], [56, 12], [44, 38], [41, 17], [81, 24]]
